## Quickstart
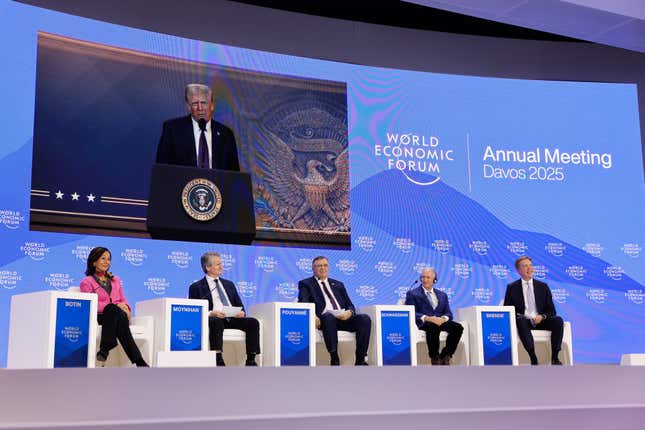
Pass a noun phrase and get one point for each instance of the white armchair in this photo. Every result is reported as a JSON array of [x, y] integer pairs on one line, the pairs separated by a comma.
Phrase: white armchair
[[462, 354], [346, 348], [142, 329], [542, 339], [235, 347]]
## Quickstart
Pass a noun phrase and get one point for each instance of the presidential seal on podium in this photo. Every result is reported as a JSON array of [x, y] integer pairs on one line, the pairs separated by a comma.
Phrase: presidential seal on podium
[[201, 199]]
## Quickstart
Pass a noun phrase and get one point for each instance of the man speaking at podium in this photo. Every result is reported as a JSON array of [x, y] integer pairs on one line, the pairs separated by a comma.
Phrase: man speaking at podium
[[334, 311], [197, 140], [534, 308]]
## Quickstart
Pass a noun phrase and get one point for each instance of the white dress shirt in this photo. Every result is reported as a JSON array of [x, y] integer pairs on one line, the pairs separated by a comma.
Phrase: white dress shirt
[[528, 313], [434, 301], [218, 305], [209, 140], [328, 305]]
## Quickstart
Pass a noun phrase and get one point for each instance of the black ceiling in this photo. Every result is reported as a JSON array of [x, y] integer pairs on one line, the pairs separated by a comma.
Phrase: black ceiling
[[407, 15]]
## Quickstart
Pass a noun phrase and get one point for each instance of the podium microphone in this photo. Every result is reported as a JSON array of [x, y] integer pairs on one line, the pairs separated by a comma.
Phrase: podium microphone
[[416, 281], [202, 124]]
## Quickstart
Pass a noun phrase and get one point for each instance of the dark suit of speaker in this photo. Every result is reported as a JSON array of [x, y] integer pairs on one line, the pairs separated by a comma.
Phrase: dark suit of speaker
[[418, 298], [177, 145], [544, 306], [309, 292], [216, 326]]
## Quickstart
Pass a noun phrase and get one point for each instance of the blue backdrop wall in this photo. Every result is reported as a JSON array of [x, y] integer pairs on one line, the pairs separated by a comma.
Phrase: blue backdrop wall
[[460, 173]]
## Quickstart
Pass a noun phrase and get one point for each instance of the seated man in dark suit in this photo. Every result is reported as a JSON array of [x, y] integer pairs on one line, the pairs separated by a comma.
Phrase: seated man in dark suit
[[534, 309], [330, 297], [433, 316], [197, 140], [221, 292]]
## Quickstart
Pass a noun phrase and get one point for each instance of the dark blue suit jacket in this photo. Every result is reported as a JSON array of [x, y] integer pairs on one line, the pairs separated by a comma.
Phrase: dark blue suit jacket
[[543, 299], [418, 298], [309, 292], [177, 145], [200, 290]]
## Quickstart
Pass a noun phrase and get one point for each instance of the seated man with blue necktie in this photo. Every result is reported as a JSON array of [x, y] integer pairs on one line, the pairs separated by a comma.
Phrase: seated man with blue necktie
[[221, 292], [534, 309], [433, 315], [334, 311]]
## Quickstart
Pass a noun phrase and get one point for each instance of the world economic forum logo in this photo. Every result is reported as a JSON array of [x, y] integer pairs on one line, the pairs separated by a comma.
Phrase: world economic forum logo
[[134, 256], [366, 243], [294, 337], [462, 270], [418, 156], [500, 271], [35, 250], [635, 296], [395, 338], [180, 259], [71, 333], [597, 295], [185, 336], [348, 267], [201, 199], [9, 279], [403, 244], [576, 272], [614, 272], [496, 338], [157, 285], [555, 248], [482, 295], [304, 264], [442, 246], [479, 247], [287, 290], [632, 250], [247, 289], [11, 219], [518, 248], [59, 281], [560, 295], [267, 264], [385, 268], [593, 248], [367, 292]]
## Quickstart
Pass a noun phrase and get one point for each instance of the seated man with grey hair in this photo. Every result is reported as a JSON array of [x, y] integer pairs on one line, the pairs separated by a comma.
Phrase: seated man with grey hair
[[198, 140], [221, 292], [433, 315]]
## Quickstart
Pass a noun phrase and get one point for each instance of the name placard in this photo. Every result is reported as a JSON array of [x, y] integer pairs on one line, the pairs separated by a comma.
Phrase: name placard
[[185, 328], [72, 329], [294, 337], [395, 338], [496, 337]]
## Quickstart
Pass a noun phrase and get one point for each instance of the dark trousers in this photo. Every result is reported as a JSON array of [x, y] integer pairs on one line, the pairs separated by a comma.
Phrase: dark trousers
[[250, 326], [360, 324], [554, 324], [116, 325], [454, 330]]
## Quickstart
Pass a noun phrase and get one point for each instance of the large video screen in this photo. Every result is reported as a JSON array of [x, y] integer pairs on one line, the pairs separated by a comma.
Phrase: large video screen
[[460, 173]]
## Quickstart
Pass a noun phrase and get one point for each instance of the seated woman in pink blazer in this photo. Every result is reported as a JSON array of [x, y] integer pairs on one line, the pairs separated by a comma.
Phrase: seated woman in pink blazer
[[113, 309]]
